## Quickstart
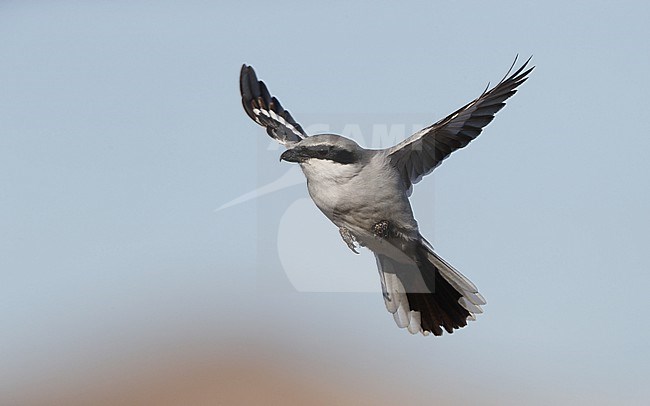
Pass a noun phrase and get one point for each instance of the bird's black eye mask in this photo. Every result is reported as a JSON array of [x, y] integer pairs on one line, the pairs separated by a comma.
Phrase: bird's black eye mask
[[332, 153]]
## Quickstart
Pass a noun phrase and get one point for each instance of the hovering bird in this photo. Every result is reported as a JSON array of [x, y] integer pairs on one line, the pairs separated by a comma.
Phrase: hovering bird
[[365, 193]]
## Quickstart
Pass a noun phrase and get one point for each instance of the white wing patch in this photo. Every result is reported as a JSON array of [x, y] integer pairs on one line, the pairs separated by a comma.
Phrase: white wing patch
[[279, 119]]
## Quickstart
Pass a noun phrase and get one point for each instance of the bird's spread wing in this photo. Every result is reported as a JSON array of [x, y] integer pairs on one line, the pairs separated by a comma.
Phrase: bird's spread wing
[[266, 110], [422, 152]]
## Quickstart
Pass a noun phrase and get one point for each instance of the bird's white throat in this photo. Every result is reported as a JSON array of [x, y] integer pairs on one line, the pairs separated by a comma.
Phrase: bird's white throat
[[326, 171]]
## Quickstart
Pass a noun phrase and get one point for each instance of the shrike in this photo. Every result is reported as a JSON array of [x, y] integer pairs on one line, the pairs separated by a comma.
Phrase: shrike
[[365, 193]]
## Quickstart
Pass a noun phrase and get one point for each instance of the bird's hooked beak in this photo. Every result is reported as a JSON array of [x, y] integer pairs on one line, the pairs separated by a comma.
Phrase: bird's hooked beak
[[293, 155]]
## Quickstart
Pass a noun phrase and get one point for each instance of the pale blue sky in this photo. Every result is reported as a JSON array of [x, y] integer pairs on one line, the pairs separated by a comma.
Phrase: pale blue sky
[[121, 132]]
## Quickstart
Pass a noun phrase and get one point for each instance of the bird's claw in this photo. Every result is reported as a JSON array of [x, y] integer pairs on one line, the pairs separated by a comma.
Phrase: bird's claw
[[381, 229], [349, 239]]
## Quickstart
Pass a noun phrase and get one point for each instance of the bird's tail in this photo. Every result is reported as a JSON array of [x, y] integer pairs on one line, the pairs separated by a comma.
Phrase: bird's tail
[[429, 295]]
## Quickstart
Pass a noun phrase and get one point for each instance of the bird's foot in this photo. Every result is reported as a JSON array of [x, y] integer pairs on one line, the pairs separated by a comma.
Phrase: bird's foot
[[381, 229], [349, 239]]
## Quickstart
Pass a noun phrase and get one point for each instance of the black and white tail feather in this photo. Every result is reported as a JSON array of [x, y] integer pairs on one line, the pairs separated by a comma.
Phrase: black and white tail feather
[[427, 294]]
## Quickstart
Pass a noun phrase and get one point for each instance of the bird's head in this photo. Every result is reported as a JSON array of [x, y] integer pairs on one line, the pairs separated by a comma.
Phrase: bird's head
[[326, 148]]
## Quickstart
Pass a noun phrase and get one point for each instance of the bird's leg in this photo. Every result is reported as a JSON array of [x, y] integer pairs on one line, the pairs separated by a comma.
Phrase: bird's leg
[[348, 238], [381, 229]]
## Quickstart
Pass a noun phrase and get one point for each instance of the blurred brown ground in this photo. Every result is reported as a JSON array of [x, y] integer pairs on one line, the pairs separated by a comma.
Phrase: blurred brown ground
[[261, 378]]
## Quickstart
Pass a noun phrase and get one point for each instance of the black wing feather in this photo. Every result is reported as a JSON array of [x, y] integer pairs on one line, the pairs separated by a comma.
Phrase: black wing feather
[[266, 110], [431, 145]]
